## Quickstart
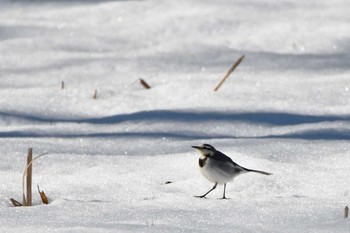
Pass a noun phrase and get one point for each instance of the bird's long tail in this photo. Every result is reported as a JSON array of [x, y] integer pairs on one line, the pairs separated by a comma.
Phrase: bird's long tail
[[257, 171]]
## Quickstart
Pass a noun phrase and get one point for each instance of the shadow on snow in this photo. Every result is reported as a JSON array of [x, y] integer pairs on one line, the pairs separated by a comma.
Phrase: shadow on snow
[[315, 134], [273, 119]]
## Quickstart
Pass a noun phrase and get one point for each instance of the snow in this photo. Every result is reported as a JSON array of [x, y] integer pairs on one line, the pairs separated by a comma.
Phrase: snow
[[284, 110]]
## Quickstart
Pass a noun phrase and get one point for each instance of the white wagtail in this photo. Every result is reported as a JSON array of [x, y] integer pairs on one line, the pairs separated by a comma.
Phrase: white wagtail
[[219, 168]]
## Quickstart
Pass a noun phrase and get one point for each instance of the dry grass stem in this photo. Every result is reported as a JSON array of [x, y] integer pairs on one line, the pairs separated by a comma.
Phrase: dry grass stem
[[229, 72], [15, 203], [144, 84], [43, 196], [28, 200], [25, 173]]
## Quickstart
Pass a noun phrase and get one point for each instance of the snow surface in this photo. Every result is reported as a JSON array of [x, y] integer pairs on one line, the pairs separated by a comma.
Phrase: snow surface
[[285, 110]]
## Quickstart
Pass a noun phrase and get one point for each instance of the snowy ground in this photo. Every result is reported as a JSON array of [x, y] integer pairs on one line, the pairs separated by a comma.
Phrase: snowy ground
[[286, 110]]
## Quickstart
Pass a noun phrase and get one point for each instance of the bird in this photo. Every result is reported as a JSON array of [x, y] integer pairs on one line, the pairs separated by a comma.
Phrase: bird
[[219, 168]]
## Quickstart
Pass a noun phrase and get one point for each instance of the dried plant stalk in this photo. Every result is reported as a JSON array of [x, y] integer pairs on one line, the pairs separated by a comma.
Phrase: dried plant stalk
[[95, 95], [43, 196], [15, 203], [229, 72], [28, 200], [144, 84], [25, 173]]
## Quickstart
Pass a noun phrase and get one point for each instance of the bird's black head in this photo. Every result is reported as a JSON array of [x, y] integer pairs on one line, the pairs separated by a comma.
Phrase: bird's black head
[[206, 149]]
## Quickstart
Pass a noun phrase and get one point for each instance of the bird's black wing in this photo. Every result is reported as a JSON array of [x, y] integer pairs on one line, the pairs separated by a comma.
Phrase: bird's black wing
[[223, 158], [227, 164]]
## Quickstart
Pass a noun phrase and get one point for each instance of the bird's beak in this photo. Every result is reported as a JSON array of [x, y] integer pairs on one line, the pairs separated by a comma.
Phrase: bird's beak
[[196, 147]]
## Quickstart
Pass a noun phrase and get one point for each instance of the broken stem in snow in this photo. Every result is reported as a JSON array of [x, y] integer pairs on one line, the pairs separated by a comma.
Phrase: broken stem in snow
[[25, 200], [229, 72], [144, 84]]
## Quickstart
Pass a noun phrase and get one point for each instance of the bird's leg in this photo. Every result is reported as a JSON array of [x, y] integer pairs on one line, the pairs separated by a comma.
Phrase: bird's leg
[[208, 191], [224, 197]]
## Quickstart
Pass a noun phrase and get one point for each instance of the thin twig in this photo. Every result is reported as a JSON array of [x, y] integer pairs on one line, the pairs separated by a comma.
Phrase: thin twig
[[28, 201], [229, 72], [43, 196], [15, 203], [144, 84], [25, 172]]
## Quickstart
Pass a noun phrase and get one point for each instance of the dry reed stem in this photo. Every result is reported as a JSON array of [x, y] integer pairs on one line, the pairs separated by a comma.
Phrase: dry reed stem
[[15, 203], [25, 173], [144, 84], [229, 72], [28, 200], [43, 196]]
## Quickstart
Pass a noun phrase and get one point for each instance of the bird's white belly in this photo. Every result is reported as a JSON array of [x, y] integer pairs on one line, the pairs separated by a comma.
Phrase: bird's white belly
[[218, 174]]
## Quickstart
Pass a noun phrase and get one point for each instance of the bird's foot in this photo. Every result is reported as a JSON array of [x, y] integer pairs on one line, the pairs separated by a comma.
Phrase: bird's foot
[[224, 198], [203, 196]]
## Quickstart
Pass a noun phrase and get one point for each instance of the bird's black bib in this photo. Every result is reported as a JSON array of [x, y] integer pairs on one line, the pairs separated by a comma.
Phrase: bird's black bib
[[202, 162]]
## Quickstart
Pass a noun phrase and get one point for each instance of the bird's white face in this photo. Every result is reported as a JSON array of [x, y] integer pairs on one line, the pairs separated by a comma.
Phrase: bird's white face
[[205, 150]]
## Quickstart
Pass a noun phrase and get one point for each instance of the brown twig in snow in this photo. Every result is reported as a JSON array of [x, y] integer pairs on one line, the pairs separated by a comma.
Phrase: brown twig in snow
[[229, 72]]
